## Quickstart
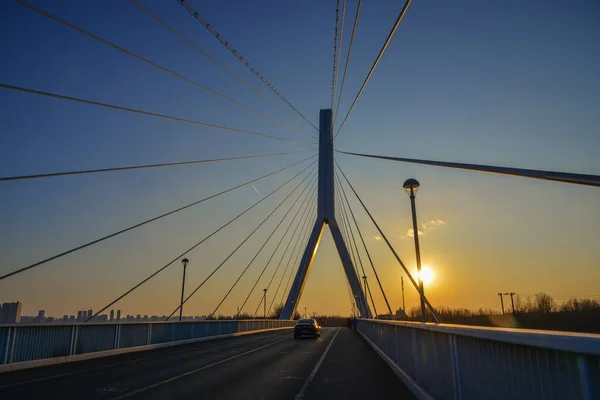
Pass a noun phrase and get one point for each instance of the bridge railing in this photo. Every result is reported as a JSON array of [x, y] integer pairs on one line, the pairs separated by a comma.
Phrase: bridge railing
[[464, 362], [21, 343]]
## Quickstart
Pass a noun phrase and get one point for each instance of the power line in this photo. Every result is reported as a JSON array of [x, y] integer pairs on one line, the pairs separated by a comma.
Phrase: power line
[[387, 41], [132, 110], [175, 74], [265, 242], [433, 312], [556, 176], [347, 60], [199, 243], [293, 235], [236, 249], [241, 58], [365, 246], [91, 171], [278, 244], [37, 264], [169, 27]]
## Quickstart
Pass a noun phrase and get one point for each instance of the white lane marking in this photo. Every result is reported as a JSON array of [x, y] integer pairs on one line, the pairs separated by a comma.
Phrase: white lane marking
[[198, 369], [300, 394], [117, 364]]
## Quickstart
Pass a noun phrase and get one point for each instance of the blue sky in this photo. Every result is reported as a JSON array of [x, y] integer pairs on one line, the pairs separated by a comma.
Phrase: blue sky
[[512, 84]]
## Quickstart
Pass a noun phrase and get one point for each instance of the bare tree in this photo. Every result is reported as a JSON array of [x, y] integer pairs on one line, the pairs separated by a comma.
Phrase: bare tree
[[544, 303]]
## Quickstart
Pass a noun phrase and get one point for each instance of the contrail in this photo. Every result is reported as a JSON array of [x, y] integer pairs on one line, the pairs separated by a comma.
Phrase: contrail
[[256, 190]]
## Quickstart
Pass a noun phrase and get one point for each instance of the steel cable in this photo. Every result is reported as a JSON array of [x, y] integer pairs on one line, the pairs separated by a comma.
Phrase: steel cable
[[234, 251], [92, 171], [142, 223], [216, 34], [266, 241], [151, 114], [199, 243], [383, 48], [408, 274]]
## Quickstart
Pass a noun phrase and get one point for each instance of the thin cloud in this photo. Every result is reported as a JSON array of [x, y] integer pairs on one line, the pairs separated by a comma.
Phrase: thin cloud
[[411, 233], [434, 223]]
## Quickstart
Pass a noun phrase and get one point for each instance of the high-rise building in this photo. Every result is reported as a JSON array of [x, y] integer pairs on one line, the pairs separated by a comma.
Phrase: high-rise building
[[118, 315], [41, 317], [10, 313], [89, 313], [112, 315], [79, 315]]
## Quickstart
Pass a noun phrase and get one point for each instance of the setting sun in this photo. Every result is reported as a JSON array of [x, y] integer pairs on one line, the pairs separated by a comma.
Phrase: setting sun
[[427, 275]]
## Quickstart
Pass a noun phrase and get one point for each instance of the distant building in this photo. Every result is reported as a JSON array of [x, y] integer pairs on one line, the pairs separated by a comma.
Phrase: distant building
[[89, 313], [400, 313], [112, 315], [65, 318], [118, 315], [41, 317], [10, 313], [79, 315]]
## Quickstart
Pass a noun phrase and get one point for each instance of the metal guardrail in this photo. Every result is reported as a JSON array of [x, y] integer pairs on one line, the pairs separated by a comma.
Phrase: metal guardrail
[[463, 362], [29, 342]]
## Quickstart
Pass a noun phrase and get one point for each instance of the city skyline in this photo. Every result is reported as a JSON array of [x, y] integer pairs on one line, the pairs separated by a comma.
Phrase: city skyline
[[454, 85]]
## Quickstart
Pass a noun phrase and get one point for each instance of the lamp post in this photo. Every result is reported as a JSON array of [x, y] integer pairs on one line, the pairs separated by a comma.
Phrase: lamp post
[[265, 302], [411, 186], [185, 262]]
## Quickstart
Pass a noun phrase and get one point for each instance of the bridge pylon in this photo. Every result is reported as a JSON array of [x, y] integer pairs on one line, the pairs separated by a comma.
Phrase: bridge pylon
[[325, 216]]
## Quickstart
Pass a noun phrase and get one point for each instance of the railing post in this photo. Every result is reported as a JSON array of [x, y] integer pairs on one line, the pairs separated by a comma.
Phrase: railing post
[[416, 355], [7, 350], [455, 368], [589, 387], [73, 343], [117, 336]]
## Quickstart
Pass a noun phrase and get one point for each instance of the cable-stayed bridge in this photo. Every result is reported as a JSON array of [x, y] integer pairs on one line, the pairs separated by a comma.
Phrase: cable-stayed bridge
[[253, 355]]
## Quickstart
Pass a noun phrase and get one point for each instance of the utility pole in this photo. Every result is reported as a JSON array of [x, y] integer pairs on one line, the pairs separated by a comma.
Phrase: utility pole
[[403, 303], [265, 302], [501, 302], [304, 311], [512, 301]]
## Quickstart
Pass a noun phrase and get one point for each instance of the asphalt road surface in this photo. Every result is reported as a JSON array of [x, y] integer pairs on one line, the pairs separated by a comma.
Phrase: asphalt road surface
[[339, 365]]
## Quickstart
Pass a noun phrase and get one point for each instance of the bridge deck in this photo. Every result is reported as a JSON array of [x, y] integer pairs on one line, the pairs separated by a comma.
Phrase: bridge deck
[[263, 366]]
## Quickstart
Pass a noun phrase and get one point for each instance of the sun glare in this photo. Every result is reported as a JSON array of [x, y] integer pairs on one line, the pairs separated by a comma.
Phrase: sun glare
[[427, 275]]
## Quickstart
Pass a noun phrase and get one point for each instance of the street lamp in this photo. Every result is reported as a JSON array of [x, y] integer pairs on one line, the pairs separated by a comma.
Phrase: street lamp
[[411, 186], [265, 302], [185, 262]]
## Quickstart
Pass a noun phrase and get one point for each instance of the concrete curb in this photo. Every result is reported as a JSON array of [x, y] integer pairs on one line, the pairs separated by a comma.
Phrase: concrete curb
[[88, 356]]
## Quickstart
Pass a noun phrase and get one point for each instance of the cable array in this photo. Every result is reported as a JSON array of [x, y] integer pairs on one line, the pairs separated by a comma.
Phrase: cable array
[[93, 171], [224, 68], [363, 242], [311, 188], [37, 264], [242, 59], [200, 242], [383, 48], [236, 249], [409, 275], [130, 53], [347, 60], [266, 241], [135, 111]]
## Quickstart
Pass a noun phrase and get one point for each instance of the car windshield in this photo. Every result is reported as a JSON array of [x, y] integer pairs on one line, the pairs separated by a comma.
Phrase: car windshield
[[306, 321]]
